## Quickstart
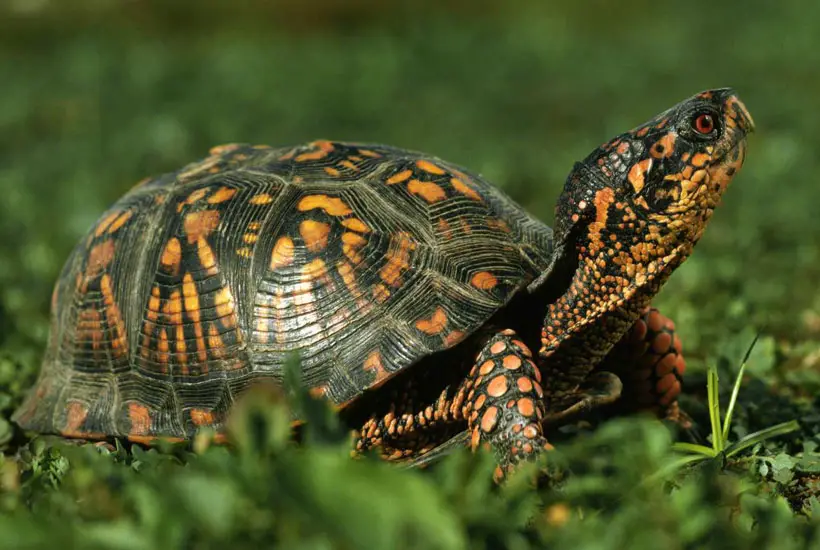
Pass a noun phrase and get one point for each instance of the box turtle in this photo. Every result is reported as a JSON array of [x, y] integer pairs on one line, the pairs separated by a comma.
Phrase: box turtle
[[424, 302]]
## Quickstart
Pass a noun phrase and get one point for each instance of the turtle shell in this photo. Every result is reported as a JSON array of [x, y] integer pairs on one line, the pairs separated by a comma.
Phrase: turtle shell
[[363, 258]]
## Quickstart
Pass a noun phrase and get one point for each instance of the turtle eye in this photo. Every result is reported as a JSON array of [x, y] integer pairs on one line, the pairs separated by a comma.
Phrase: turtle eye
[[704, 124]]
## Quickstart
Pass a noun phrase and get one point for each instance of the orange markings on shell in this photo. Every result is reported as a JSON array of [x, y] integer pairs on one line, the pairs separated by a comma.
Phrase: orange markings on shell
[[453, 338], [464, 189], [398, 259], [76, 414], [140, 419], [489, 419], [427, 190], [435, 324], [221, 195], [323, 148], [373, 363], [103, 225], [355, 224], [349, 165], [282, 254], [99, 257], [215, 343], [119, 222], [314, 234], [119, 341], [429, 167], [332, 206], [332, 172], [260, 199], [484, 280], [202, 417], [225, 306], [381, 293], [399, 177], [498, 386], [171, 256], [198, 225]]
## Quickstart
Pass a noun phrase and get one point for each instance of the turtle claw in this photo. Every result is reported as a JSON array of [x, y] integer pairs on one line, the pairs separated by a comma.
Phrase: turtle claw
[[599, 389]]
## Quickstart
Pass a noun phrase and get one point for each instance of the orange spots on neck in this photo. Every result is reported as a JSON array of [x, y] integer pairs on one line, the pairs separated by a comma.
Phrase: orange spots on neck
[[637, 174], [427, 190], [664, 147], [314, 234], [700, 159], [435, 324]]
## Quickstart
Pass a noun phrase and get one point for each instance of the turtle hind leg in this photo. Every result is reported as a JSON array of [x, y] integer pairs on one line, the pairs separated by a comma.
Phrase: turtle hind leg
[[650, 362]]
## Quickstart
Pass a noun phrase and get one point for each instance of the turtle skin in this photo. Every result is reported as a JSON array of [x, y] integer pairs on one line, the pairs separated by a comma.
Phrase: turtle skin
[[414, 291]]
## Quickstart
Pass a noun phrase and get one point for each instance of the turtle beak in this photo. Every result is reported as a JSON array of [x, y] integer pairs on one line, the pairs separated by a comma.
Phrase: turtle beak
[[738, 115]]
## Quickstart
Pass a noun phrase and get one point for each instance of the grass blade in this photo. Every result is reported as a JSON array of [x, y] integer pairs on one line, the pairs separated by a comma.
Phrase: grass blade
[[672, 467], [694, 448], [738, 379], [714, 409], [756, 437]]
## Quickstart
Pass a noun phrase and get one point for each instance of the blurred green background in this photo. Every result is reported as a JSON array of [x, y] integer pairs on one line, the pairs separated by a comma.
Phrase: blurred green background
[[97, 94]]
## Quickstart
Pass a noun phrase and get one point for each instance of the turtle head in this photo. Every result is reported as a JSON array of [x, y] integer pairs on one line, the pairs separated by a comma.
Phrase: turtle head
[[645, 197]]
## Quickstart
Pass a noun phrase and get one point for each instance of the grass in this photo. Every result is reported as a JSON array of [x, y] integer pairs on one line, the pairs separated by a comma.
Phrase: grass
[[96, 95]]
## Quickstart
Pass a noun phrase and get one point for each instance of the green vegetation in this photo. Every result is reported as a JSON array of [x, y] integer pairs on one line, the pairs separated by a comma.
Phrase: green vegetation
[[97, 94]]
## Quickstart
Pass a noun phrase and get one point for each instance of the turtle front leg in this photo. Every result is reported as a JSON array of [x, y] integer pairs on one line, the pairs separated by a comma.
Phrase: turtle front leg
[[505, 403], [650, 363]]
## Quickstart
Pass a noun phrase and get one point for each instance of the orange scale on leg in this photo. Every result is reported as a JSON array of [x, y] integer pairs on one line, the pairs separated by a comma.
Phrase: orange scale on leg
[[666, 365], [666, 383], [662, 342]]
